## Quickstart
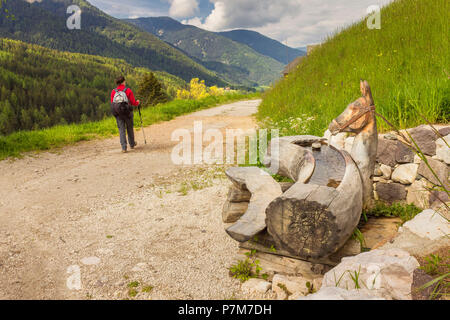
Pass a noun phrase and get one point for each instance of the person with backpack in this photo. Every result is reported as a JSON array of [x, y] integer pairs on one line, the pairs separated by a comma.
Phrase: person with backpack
[[122, 103]]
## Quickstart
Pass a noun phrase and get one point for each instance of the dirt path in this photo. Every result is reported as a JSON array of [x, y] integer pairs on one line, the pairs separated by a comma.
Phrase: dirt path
[[115, 219]]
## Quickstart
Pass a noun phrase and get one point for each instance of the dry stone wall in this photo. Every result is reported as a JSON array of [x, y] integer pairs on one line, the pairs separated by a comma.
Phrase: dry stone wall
[[400, 175]]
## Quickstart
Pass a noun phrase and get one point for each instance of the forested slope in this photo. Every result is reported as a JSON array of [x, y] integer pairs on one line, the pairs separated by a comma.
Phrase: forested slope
[[44, 23], [40, 87]]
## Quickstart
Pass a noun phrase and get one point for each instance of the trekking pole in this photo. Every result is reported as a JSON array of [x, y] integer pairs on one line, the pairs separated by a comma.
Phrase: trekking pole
[[142, 124]]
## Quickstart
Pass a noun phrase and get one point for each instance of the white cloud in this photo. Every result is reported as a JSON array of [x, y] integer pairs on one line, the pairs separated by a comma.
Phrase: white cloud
[[229, 14], [300, 22], [183, 8], [129, 8]]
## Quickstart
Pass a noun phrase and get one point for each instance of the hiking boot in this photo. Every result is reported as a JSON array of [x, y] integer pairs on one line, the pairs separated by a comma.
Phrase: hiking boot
[[135, 144]]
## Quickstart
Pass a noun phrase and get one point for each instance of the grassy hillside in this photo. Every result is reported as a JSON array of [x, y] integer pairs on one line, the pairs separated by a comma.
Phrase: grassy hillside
[[44, 23], [233, 61], [406, 64], [40, 87]]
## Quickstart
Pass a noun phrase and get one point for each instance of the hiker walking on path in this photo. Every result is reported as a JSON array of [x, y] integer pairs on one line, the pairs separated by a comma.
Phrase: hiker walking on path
[[122, 103]]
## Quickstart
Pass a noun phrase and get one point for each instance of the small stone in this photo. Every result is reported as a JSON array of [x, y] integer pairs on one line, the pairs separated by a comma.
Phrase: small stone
[[405, 173], [386, 171], [391, 192], [317, 146], [377, 172], [256, 286], [90, 261]]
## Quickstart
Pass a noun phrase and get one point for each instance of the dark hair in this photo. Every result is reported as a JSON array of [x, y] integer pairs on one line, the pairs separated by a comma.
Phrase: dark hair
[[120, 80]]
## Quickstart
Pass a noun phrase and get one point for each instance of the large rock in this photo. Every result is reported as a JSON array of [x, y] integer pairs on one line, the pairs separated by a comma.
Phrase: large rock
[[391, 152], [442, 150], [425, 139], [386, 274], [405, 173], [441, 170], [285, 286], [426, 233], [391, 192], [429, 224], [334, 293], [256, 286]]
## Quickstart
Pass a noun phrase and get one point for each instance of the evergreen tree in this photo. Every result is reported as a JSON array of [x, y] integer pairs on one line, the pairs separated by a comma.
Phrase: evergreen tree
[[151, 91]]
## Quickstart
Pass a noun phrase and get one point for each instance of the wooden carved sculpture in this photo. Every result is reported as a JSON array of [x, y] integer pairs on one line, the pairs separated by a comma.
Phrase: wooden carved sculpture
[[316, 216]]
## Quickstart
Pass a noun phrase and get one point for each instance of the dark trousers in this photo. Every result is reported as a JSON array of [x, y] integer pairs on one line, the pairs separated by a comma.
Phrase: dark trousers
[[126, 125]]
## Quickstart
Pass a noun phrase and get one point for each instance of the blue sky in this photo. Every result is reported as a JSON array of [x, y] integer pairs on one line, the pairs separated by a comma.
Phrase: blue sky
[[295, 22]]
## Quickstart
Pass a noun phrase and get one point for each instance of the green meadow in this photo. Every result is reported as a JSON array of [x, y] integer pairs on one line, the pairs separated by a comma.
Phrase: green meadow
[[406, 63]]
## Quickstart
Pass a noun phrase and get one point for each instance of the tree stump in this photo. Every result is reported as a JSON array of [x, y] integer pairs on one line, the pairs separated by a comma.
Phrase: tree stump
[[313, 221]]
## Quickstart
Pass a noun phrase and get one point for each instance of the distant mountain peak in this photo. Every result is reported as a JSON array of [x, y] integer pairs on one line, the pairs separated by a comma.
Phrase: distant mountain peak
[[264, 45]]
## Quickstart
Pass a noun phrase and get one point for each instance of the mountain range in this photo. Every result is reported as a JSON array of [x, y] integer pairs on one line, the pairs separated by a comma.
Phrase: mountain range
[[44, 23], [240, 57]]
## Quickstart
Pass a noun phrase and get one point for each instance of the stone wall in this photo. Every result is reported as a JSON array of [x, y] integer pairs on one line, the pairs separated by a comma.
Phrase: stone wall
[[400, 175]]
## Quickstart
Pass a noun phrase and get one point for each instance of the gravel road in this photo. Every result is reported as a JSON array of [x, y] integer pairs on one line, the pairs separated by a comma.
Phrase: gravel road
[[88, 222]]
